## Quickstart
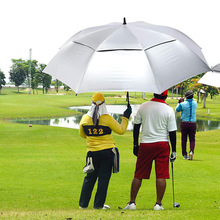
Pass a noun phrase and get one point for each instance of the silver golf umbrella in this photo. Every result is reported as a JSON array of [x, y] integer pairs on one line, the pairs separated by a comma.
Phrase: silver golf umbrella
[[212, 78], [127, 57], [216, 68]]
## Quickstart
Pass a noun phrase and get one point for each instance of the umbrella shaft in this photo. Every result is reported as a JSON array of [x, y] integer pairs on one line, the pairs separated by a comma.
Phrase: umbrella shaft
[[128, 99]]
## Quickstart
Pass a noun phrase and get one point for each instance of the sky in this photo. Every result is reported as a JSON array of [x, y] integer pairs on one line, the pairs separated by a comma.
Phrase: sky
[[45, 25]]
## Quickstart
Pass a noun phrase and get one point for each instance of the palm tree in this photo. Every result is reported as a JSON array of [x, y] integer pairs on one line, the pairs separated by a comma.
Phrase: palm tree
[[182, 87]]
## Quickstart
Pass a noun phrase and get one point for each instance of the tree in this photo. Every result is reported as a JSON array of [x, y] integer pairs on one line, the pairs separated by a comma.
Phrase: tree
[[204, 95], [2, 80], [45, 78], [66, 88], [182, 88], [36, 81], [209, 90], [17, 72], [46, 81], [57, 84], [213, 91], [30, 70], [197, 86]]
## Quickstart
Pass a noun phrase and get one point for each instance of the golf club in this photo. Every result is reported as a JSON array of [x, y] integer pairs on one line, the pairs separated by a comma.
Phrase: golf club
[[175, 204]]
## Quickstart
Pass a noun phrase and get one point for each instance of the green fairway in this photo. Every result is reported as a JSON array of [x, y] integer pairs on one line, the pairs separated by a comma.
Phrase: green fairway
[[41, 166]]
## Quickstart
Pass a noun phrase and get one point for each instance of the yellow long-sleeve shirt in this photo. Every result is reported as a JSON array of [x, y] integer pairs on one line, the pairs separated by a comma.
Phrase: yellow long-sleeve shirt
[[99, 137]]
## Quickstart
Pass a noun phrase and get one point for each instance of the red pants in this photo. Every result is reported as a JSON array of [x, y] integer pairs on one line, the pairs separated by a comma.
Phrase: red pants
[[148, 152]]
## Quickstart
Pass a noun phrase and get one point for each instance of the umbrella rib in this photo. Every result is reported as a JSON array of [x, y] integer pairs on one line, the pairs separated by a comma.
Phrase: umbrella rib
[[152, 70], [173, 41], [160, 44], [86, 65], [83, 45], [119, 50]]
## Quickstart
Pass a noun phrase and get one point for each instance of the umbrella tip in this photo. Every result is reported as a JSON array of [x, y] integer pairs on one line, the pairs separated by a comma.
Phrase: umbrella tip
[[124, 21]]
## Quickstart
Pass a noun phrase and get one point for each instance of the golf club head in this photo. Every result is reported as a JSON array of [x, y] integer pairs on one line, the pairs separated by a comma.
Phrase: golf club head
[[176, 205]]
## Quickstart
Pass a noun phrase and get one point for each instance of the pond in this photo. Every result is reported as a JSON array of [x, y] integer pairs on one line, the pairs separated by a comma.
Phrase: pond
[[116, 111]]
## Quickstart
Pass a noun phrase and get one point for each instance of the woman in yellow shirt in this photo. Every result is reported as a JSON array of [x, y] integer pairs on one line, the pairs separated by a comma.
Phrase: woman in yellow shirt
[[96, 126]]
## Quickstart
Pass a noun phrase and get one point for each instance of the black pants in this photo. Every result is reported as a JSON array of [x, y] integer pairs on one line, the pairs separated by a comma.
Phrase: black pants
[[102, 162], [188, 129]]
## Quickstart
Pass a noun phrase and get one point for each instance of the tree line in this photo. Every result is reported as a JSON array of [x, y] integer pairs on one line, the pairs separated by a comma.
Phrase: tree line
[[200, 90], [30, 72]]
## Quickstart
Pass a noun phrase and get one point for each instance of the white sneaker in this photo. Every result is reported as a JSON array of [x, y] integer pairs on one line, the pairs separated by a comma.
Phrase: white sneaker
[[82, 207], [190, 155], [131, 206], [158, 207], [106, 207], [186, 157]]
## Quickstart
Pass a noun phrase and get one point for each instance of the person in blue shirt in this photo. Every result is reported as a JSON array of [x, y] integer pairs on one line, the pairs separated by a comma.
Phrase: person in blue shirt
[[188, 123]]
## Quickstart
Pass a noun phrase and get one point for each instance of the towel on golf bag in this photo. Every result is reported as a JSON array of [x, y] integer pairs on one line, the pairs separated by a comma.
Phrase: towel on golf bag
[[115, 160], [88, 168]]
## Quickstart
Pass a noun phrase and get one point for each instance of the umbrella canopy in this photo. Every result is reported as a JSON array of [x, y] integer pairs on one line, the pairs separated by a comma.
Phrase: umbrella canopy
[[212, 78], [216, 68], [127, 57]]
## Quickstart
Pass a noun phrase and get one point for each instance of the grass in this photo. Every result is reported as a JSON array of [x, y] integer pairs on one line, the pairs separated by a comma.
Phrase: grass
[[41, 168]]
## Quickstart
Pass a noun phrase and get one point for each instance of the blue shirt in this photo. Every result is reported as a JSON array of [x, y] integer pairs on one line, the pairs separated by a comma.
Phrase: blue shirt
[[188, 109]]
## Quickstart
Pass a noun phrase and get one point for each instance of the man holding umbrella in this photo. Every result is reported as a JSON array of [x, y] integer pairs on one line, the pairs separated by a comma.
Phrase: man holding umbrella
[[158, 122], [96, 126]]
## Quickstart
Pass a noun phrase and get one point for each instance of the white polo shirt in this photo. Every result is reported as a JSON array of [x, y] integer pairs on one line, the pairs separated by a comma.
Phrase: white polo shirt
[[157, 120]]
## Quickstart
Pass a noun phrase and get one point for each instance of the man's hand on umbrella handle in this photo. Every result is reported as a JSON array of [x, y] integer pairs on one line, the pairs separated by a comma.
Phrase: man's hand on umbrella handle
[[173, 157], [127, 112], [135, 149]]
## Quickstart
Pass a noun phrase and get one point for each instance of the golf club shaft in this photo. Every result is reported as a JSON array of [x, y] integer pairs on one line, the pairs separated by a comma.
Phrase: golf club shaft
[[172, 182]]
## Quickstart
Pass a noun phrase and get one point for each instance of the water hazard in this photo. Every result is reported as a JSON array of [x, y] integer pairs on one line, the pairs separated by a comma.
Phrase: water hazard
[[116, 112]]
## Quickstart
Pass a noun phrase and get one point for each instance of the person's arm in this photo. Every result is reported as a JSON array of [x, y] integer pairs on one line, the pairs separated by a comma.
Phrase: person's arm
[[136, 132], [172, 136], [120, 128], [179, 107], [116, 127], [81, 130]]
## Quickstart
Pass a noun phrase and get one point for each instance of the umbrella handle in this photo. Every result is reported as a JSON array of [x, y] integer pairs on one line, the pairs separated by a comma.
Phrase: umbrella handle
[[128, 99], [124, 21]]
